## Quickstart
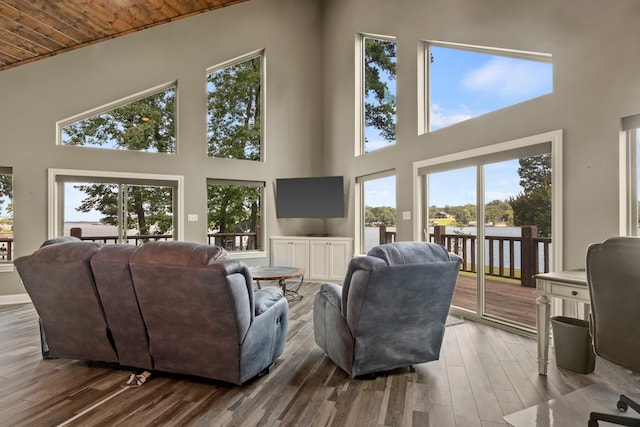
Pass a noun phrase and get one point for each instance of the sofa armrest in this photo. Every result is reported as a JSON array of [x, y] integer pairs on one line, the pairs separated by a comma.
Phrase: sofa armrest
[[266, 297]]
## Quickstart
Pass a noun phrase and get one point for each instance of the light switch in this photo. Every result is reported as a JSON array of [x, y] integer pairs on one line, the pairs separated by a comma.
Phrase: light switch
[[192, 217], [406, 214]]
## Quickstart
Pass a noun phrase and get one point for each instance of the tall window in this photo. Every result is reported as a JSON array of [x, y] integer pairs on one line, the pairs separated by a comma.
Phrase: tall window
[[378, 209], [234, 93], [631, 127], [145, 122], [495, 207], [6, 214], [378, 93], [116, 208], [234, 215], [468, 81]]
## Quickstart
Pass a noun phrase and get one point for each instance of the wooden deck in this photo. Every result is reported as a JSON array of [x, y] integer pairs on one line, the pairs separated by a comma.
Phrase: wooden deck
[[508, 301]]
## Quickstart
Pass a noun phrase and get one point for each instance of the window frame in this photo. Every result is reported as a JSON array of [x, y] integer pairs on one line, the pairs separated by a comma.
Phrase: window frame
[[479, 155], [116, 104], [360, 203], [55, 193], [628, 179], [262, 234], [359, 143], [261, 54], [6, 265], [424, 74]]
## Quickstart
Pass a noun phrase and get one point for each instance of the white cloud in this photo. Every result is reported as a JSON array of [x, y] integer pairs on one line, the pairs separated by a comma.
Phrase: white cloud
[[380, 192], [509, 78], [440, 117]]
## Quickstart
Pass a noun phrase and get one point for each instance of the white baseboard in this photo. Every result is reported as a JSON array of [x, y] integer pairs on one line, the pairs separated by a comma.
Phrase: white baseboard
[[14, 299]]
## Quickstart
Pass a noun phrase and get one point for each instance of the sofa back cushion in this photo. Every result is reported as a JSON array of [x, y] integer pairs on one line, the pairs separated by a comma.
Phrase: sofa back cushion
[[197, 310], [113, 280], [60, 283]]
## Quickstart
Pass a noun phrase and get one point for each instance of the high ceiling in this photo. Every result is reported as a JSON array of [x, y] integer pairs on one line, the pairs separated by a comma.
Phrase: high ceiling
[[36, 29]]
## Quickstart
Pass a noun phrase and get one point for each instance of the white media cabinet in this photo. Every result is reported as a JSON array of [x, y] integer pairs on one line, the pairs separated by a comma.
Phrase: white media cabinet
[[323, 258]]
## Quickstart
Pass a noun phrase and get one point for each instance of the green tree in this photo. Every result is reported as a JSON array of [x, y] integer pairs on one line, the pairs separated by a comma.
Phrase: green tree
[[6, 188], [532, 206], [234, 111], [147, 124], [6, 191], [149, 208], [380, 104], [233, 208], [380, 214], [498, 211]]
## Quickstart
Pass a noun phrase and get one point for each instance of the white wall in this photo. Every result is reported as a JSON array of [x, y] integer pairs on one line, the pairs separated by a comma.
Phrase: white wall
[[34, 97], [596, 58]]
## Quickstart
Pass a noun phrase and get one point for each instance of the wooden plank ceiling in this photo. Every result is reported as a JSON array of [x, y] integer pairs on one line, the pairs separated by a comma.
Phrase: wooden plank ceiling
[[35, 29]]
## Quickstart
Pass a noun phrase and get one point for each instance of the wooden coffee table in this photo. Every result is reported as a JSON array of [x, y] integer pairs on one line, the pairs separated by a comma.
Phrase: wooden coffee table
[[281, 274]]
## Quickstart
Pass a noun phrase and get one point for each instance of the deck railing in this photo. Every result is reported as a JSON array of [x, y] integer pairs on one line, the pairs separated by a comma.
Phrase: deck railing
[[229, 241], [534, 252], [235, 241]]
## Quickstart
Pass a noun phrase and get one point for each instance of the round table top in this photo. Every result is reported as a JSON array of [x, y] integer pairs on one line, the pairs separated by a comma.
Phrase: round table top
[[275, 273]]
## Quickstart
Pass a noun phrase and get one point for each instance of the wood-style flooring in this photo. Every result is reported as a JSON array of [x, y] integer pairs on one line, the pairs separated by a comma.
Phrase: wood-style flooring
[[483, 374]]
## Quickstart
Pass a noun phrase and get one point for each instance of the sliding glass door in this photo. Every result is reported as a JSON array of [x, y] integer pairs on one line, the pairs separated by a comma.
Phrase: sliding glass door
[[452, 216], [495, 212], [117, 212]]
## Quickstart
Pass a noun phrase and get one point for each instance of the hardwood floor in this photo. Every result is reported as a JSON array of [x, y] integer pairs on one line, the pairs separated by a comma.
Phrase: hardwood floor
[[483, 374]]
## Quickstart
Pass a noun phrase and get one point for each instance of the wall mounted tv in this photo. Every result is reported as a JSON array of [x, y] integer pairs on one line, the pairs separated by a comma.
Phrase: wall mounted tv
[[313, 197]]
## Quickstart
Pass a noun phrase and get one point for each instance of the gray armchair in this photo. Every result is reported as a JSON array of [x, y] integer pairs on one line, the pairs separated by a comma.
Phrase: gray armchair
[[613, 275], [391, 310]]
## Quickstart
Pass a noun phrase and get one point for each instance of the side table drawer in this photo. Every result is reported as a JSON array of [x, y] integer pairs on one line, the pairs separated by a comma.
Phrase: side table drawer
[[565, 291]]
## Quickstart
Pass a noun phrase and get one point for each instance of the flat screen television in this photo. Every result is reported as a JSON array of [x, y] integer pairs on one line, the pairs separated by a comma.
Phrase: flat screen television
[[312, 197]]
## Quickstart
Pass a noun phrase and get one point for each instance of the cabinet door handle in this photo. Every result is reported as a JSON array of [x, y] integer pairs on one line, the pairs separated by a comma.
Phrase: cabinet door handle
[[574, 293]]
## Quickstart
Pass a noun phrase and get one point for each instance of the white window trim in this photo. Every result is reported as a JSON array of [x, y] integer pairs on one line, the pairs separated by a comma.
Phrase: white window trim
[[359, 89], [257, 253], [628, 175], [55, 197], [424, 72], [7, 266], [111, 106], [261, 53], [360, 208], [554, 137]]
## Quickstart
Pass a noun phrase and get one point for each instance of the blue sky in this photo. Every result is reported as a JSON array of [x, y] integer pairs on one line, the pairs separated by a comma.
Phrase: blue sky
[[466, 84], [453, 188]]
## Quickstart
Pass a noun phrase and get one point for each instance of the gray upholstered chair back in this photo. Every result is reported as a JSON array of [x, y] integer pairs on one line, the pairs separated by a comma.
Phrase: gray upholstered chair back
[[391, 310], [613, 274]]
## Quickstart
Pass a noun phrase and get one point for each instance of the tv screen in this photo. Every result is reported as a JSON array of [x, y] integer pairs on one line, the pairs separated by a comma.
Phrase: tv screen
[[315, 197]]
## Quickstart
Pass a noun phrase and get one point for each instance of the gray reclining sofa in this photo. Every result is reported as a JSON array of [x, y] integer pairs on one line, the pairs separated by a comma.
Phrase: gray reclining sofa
[[176, 307]]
